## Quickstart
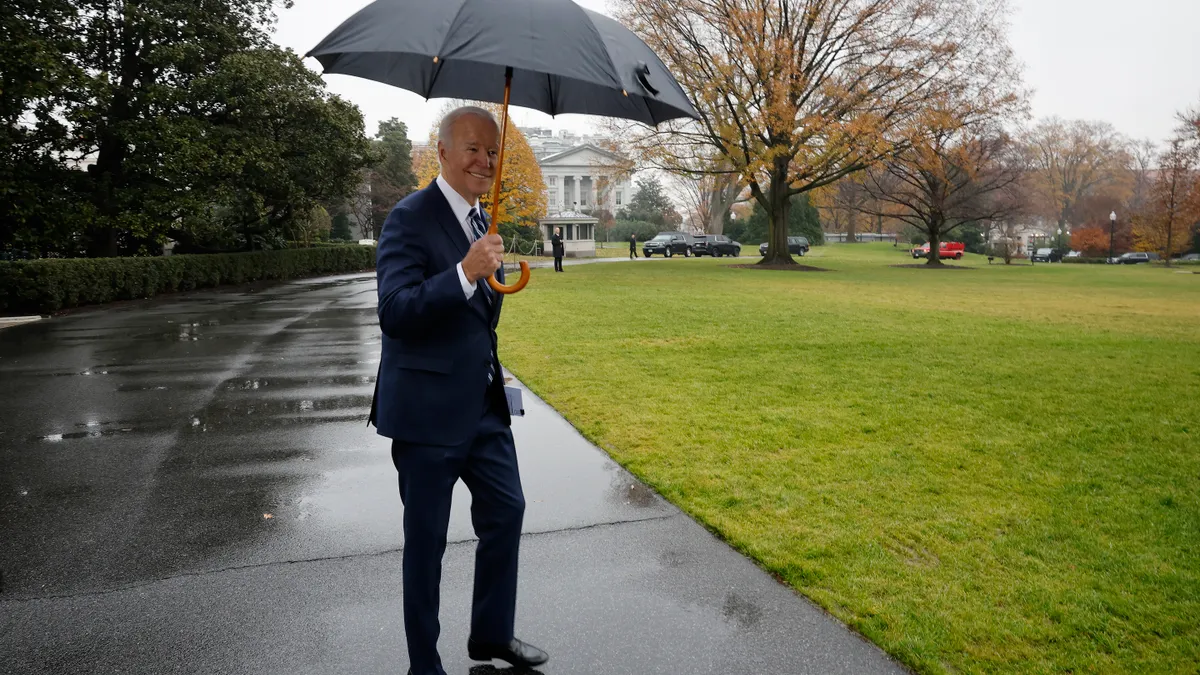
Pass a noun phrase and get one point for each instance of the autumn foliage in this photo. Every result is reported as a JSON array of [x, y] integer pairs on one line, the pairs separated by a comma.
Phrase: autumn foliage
[[1173, 209], [796, 94], [1091, 241]]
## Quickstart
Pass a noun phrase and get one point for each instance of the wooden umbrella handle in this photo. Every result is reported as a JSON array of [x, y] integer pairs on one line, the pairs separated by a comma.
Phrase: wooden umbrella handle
[[520, 283]]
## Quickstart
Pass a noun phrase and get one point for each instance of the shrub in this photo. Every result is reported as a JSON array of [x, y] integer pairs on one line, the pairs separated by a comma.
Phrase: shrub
[[43, 286]]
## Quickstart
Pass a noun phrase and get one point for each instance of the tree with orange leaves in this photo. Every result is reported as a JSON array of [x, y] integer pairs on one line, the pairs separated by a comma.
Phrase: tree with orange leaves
[[522, 190], [1092, 241], [796, 94]]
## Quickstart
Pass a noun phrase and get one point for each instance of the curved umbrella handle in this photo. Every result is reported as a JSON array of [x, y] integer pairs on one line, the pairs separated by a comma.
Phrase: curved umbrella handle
[[511, 288], [496, 285]]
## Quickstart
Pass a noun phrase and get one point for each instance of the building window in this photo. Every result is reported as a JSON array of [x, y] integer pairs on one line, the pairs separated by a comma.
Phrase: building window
[[618, 197], [570, 232], [553, 196], [551, 180]]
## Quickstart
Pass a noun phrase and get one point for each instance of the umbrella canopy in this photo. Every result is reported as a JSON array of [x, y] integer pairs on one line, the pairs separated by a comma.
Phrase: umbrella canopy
[[563, 58]]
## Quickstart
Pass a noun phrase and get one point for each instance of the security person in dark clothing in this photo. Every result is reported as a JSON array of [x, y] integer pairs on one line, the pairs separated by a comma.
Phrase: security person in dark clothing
[[633, 245], [557, 242]]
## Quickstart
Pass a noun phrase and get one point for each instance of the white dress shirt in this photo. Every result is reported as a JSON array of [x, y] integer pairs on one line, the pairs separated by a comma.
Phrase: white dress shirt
[[461, 210]]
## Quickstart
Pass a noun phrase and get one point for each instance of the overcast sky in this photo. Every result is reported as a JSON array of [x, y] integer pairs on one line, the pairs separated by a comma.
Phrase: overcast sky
[[1134, 64]]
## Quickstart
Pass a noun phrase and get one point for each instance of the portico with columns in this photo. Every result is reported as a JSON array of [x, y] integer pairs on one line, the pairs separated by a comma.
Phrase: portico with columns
[[584, 178]]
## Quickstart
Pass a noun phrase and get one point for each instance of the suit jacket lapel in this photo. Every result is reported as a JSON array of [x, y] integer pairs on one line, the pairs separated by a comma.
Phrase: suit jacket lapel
[[450, 224]]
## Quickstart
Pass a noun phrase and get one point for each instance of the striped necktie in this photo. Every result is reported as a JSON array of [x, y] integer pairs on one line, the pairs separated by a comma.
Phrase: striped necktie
[[478, 226], [478, 230]]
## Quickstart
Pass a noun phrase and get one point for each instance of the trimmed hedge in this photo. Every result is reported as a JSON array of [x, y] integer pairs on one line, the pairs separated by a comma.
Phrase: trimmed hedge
[[43, 286], [1085, 261]]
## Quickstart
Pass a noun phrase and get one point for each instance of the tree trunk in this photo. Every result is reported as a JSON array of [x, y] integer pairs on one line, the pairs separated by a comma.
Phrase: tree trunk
[[1170, 231], [777, 218], [852, 227], [935, 244]]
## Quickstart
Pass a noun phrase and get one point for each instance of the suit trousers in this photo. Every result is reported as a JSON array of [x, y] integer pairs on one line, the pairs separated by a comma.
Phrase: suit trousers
[[487, 464]]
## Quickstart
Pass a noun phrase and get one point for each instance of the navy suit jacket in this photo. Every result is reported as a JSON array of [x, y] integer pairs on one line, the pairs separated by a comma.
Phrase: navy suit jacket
[[437, 346]]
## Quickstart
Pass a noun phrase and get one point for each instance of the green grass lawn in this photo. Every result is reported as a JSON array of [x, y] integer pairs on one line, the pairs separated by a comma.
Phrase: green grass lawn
[[992, 470]]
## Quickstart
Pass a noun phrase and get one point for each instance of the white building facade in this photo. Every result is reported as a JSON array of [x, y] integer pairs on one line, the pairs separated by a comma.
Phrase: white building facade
[[584, 178]]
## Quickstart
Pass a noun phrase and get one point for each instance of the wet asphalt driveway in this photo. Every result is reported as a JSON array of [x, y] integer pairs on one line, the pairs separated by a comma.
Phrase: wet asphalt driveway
[[188, 485]]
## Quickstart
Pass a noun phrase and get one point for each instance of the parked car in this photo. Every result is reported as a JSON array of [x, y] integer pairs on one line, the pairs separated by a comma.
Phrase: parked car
[[668, 244], [796, 246], [1134, 258], [1045, 255], [1190, 257], [1075, 254], [715, 245], [946, 249]]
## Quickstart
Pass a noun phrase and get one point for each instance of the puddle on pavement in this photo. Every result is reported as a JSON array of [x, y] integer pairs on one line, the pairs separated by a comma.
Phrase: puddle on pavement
[[236, 409], [625, 490], [94, 433], [298, 383], [741, 611]]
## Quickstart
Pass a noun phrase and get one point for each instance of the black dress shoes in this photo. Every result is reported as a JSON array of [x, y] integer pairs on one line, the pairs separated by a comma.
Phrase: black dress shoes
[[516, 653]]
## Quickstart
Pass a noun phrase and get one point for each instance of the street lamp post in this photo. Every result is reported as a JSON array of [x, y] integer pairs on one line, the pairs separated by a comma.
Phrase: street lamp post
[[1112, 227]]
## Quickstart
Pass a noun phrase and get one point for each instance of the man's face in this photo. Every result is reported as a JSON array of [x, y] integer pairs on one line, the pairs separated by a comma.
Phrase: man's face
[[557, 231], [469, 160]]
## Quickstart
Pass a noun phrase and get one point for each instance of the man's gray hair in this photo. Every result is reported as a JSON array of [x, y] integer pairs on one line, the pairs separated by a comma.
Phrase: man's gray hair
[[455, 115]]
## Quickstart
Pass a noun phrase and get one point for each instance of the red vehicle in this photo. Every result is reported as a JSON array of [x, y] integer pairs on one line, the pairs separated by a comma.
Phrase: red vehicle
[[947, 249]]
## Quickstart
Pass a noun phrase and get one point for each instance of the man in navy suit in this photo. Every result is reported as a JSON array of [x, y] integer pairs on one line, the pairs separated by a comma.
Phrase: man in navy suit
[[440, 395]]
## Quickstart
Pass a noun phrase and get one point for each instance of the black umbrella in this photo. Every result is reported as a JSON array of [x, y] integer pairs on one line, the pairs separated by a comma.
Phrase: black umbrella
[[548, 55]]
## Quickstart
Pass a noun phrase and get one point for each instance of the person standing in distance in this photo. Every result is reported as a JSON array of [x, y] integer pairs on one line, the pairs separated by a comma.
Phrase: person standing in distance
[[557, 243], [633, 245], [440, 396]]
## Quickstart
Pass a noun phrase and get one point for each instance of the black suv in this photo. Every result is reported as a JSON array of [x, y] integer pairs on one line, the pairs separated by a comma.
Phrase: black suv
[[1135, 258], [796, 245], [1045, 255], [716, 245], [668, 244]]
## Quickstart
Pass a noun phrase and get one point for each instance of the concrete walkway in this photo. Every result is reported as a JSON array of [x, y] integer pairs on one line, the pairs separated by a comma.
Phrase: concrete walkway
[[189, 486]]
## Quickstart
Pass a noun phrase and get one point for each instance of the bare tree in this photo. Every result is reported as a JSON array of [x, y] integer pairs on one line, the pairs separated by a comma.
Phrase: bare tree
[[361, 207], [956, 176], [1142, 156], [708, 198], [1071, 160], [1174, 204]]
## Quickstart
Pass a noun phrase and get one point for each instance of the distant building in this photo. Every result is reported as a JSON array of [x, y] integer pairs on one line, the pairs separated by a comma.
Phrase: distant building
[[546, 142], [1026, 235], [579, 173]]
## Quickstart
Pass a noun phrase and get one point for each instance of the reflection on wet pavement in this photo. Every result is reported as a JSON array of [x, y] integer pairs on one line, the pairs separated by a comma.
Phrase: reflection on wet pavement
[[190, 417]]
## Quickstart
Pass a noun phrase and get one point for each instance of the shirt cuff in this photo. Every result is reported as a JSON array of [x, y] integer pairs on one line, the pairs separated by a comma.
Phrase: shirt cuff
[[467, 286]]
